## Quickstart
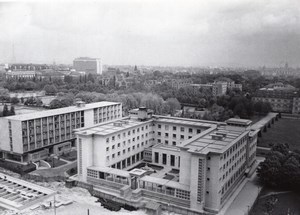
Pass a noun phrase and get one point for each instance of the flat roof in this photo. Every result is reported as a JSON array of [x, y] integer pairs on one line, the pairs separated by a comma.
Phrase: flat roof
[[109, 170], [111, 127], [185, 121], [165, 182], [205, 142], [58, 111]]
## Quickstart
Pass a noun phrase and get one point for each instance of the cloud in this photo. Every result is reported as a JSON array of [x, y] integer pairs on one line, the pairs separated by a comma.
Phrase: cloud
[[170, 32]]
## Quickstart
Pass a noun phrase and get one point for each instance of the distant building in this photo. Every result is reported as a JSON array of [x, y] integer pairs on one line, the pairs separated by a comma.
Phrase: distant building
[[88, 65], [32, 137], [27, 67], [215, 89], [20, 74], [282, 97], [203, 162]]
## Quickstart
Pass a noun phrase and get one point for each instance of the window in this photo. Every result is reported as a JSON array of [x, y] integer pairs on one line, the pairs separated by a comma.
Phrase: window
[[198, 131], [113, 147], [190, 130], [166, 142], [182, 129], [174, 143], [166, 134], [107, 140], [107, 149], [159, 126], [164, 159], [174, 128], [119, 145], [159, 133], [174, 135], [113, 155], [172, 160], [181, 136], [113, 138], [156, 157]]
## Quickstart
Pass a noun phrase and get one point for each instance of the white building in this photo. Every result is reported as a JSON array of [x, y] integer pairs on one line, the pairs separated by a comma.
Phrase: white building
[[31, 137], [206, 160], [88, 65]]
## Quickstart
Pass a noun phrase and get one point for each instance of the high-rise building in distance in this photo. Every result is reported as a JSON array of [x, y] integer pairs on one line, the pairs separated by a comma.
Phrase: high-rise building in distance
[[88, 65]]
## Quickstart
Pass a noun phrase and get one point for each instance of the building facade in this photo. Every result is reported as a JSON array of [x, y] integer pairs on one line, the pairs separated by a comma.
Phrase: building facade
[[282, 97], [202, 162], [88, 65], [32, 137]]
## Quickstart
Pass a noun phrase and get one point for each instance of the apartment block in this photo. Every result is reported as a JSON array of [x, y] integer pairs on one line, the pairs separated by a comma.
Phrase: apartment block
[[191, 166], [32, 137]]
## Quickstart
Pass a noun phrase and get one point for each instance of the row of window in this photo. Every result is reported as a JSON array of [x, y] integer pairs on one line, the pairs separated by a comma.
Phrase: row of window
[[128, 133], [182, 129], [113, 156], [128, 161]]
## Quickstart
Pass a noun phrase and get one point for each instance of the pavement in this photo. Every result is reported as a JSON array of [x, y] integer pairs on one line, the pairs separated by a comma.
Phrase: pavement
[[244, 197], [58, 171]]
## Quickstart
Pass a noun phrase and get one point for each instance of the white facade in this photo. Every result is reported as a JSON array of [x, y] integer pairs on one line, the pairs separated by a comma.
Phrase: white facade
[[29, 134], [211, 158]]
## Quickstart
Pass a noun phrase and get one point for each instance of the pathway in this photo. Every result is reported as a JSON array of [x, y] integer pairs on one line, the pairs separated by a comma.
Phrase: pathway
[[58, 171]]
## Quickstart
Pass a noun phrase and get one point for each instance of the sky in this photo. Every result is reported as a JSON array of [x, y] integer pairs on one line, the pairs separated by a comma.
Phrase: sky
[[153, 32]]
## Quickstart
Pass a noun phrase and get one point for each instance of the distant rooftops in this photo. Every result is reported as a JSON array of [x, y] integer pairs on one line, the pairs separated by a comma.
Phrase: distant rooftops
[[46, 113]]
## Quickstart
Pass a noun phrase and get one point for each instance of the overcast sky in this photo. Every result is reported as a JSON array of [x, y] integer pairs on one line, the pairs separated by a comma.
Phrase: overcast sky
[[175, 33]]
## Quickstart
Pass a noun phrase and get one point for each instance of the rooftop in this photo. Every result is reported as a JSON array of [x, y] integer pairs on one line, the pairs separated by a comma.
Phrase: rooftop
[[110, 127], [58, 111], [216, 140]]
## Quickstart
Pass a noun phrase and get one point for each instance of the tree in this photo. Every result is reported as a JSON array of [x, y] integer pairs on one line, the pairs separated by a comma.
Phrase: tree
[[281, 168], [14, 100], [12, 111], [171, 105], [5, 110], [4, 94], [50, 89]]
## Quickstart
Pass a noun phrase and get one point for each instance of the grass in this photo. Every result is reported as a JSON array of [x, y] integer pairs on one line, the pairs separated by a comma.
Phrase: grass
[[70, 156], [18, 168], [282, 131], [286, 203], [54, 162]]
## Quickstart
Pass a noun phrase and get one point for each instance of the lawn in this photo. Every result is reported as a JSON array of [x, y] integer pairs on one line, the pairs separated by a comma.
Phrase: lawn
[[285, 203], [54, 162], [282, 131], [70, 156]]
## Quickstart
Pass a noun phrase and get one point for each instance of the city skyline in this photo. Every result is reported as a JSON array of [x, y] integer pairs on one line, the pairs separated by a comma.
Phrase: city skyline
[[177, 33]]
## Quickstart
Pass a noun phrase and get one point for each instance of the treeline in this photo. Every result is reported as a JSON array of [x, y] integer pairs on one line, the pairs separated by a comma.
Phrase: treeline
[[281, 168], [129, 101]]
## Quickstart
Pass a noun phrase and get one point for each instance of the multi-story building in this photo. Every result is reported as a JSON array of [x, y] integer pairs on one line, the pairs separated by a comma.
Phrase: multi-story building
[[197, 164], [88, 65], [26, 74], [214, 89], [282, 97], [32, 137]]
